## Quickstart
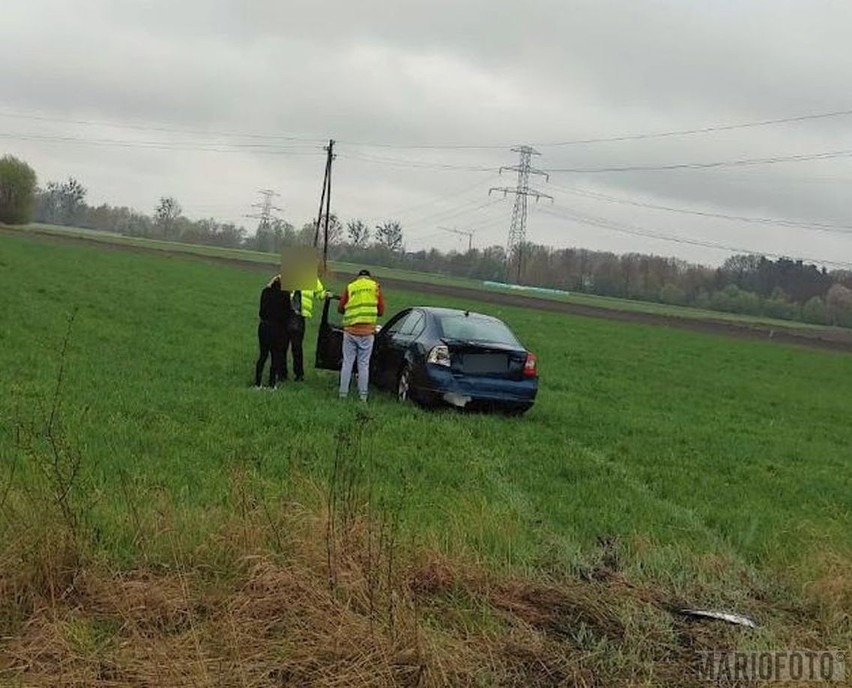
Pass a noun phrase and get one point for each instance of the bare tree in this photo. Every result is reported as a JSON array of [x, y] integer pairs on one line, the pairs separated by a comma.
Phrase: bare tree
[[63, 202], [335, 230], [358, 233], [73, 198], [166, 215], [389, 236]]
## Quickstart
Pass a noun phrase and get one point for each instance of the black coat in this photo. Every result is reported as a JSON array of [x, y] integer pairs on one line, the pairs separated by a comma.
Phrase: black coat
[[275, 306]]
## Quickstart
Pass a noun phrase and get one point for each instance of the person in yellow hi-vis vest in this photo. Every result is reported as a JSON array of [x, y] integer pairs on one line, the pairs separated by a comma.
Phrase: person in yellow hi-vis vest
[[361, 304], [302, 303]]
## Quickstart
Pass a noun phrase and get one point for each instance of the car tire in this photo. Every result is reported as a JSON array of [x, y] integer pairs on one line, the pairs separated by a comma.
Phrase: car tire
[[403, 384]]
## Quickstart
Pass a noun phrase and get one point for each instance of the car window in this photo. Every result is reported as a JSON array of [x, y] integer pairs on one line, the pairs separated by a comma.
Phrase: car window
[[413, 324], [475, 329], [395, 325], [406, 324]]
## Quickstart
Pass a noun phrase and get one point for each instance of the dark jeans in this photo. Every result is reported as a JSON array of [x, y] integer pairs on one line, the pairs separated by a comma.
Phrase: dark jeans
[[270, 338], [294, 336]]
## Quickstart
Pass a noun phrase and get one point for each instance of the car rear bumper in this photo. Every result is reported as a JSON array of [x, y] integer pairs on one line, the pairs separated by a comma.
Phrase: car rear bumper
[[440, 383]]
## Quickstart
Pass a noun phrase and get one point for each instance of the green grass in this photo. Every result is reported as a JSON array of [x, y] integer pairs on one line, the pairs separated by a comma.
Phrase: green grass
[[612, 303], [680, 445], [687, 469]]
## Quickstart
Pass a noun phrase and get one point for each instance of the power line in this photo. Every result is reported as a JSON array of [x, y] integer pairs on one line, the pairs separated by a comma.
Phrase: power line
[[451, 213], [265, 149], [378, 144], [405, 210], [745, 162], [294, 149], [444, 215], [425, 237], [703, 130], [427, 146], [518, 226], [817, 226], [827, 155], [605, 223], [775, 180], [461, 232], [173, 130], [479, 229], [483, 225], [626, 137], [421, 164]]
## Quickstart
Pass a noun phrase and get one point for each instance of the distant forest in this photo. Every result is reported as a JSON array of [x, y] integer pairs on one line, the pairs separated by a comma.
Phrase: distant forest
[[748, 284]]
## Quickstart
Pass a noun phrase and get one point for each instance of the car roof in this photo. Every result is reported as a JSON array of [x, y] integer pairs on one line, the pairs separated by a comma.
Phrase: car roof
[[454, 312]]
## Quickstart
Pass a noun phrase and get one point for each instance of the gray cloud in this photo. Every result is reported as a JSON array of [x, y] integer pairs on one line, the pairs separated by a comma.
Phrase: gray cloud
[[406, 73]]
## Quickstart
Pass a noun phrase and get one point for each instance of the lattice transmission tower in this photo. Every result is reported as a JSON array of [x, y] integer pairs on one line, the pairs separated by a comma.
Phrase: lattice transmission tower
[[266, 216], [518, 228]]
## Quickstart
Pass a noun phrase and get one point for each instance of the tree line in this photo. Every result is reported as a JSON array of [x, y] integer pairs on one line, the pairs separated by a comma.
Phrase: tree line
[[748, 284]]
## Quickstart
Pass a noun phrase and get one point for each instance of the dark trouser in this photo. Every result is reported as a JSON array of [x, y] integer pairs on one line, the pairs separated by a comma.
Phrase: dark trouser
[[270, 337], [294, 335]]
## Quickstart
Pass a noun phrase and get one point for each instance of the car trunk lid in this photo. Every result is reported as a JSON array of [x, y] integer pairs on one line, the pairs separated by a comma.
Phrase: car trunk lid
[[486, 359]]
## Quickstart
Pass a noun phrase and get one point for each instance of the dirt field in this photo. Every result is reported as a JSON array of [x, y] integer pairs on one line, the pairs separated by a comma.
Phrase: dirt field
[[826, 339]]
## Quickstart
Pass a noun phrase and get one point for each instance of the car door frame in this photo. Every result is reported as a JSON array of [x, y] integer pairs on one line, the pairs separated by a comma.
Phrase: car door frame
[[401, 342], [329, 348], [382, 368]]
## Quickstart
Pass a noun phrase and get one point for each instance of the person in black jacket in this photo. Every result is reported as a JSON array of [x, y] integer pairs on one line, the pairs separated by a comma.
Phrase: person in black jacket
[[274, 314]]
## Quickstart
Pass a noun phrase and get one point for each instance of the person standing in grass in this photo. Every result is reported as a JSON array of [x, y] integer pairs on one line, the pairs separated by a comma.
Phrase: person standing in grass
[[361, 304], [274, 313], [302, 309]]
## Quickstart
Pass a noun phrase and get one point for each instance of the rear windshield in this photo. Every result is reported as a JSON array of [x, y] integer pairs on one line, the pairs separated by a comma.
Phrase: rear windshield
[[473, 329]]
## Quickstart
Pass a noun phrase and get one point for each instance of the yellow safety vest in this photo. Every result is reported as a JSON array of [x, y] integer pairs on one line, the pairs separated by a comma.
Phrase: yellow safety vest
[[362, 305], [308, 299]]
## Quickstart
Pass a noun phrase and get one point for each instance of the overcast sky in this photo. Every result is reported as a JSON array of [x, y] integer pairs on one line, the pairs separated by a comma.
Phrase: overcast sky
[[212, 100]]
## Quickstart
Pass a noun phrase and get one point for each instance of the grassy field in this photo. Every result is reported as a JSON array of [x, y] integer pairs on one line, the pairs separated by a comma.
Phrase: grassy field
[[429, 278], [709, 471]]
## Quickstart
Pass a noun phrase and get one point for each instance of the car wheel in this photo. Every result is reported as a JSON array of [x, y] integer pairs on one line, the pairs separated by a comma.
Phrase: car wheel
[[518, 410], [403, 384]]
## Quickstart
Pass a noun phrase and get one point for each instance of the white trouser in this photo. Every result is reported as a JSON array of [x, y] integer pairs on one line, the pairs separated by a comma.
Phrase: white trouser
[[358, 347]]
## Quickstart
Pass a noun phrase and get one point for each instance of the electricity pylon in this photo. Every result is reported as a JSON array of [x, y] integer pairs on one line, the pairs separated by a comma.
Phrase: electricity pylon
[[265, 216], [518, 228]]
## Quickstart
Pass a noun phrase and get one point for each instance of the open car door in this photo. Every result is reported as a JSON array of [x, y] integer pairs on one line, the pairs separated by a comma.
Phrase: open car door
[[329, 342]]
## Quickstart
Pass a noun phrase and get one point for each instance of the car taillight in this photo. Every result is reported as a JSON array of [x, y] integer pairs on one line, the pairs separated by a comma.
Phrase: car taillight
[[530, 369], [439, 355]]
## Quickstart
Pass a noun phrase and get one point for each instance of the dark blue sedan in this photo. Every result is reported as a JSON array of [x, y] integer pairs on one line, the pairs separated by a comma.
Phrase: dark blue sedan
[[442, 355]]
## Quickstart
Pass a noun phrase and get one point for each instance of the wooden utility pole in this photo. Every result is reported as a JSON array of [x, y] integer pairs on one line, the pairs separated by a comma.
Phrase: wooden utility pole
[[325, 200]]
